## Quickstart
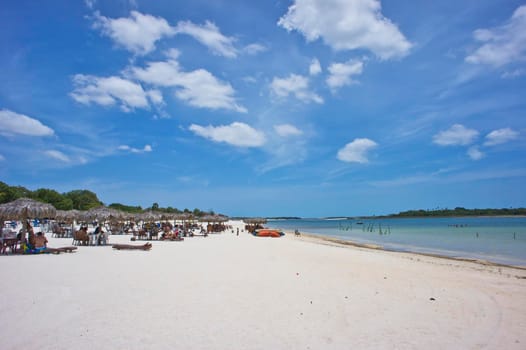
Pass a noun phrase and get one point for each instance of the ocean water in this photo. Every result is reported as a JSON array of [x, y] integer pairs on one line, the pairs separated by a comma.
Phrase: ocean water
[[497, 239]]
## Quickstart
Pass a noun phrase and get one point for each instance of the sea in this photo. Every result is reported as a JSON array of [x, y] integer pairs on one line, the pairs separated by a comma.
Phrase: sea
[[496, 239]]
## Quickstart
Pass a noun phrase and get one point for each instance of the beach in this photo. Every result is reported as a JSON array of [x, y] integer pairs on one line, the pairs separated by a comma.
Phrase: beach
[[242, 292]]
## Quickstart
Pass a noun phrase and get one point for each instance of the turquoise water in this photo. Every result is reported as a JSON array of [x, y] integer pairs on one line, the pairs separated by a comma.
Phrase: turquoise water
[[496, 239]]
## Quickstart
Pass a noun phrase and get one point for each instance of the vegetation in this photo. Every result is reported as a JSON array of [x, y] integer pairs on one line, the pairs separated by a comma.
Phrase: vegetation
[[459, 211], [81, 200]]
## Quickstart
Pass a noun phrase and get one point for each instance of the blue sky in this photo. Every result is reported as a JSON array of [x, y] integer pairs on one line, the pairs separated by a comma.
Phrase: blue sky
[[300, 108]]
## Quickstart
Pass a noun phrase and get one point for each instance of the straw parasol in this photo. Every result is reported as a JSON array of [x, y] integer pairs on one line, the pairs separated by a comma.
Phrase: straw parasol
[[149, 216], [213, 218], [253, 223], [103, 214], [68, 215], [24, 208]]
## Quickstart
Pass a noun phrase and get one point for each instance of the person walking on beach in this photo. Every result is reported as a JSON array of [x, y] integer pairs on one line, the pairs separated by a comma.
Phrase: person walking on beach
[[237, 234]]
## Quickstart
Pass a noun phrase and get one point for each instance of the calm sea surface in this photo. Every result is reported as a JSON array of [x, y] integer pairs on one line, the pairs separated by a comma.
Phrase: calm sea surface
[[497, 239]]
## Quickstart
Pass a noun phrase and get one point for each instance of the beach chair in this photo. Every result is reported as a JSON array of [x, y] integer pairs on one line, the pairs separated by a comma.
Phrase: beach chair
[[10, 244]]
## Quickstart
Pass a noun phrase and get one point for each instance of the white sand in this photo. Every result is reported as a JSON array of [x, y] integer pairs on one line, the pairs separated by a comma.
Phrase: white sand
[[243, 292]]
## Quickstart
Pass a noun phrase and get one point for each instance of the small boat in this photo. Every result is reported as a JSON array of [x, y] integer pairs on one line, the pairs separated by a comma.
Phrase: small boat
[[359, 223], [265, 232]]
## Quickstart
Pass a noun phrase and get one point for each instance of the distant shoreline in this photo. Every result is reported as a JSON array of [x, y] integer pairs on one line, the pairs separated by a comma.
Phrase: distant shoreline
[[395, 217]]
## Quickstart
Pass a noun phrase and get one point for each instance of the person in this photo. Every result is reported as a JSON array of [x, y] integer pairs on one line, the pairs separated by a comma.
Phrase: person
[[31, 235], [40, 242], [98, 235], [237, 232]]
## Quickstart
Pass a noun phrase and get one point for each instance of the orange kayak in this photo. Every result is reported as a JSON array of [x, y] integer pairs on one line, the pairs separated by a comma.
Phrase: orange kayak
[[268, 233]]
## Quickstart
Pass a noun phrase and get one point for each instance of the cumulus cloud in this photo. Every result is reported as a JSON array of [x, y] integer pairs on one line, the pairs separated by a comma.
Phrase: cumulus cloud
[[341, 73], [474, 153], [499, 136], [347, 25], [108, 91], [57, 155], [209, 35], [145, 149], [502, 45], [356, 151], [315, 67], [285, 130], [12, 123], [137, 33], [198, 88], [236, 134], [295, 85], [456, 135]]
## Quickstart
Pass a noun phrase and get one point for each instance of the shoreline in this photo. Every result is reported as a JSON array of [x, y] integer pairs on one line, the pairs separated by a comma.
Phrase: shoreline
[[371, 246]]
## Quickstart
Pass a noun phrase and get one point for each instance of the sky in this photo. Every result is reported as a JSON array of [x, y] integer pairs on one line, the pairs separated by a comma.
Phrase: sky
[[304, 108]]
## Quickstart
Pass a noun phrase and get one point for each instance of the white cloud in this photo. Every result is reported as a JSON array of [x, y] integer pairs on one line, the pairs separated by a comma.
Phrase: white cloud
[[210, 36], [296, 85], [137, 33], [236, 134], [90, 3], [57, 155], [499, 136], [347, 25], [198, 88], [146, 148], [254, 49], [474, 153], [12, 123], [285, 130], [456, 135], [341, 73], [250, 80], [155, 96], [513, 74], [356, 151], [504, 44], [315, 67], [112, 90]]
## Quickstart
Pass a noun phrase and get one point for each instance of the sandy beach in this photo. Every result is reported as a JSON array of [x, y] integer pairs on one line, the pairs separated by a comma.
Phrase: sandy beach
[[243, 292]]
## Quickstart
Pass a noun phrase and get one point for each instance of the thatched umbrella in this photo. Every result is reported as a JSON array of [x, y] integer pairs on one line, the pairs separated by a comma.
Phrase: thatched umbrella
[[24, 208], [253, 223], [150, 216], [103, 214], [69, 215], [214, 222], [213, 218]]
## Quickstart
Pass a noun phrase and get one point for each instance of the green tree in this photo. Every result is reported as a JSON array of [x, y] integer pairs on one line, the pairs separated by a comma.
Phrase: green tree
[[126, 208], [83, 199], [58, 200], [6, 194]]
